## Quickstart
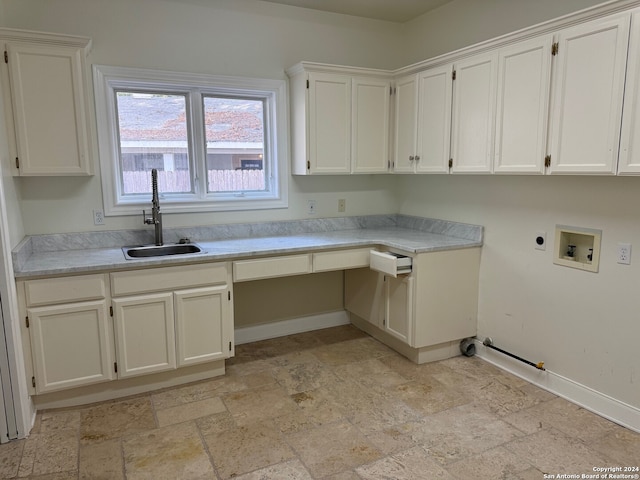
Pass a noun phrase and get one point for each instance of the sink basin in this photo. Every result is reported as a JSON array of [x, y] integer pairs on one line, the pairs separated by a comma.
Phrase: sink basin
[[145, 251]]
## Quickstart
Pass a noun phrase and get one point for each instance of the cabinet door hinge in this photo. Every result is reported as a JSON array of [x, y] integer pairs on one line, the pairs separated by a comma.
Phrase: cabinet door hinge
[[33, 382], [6, 57], [308, 165], [115, 367], [27, 321], [451, 163], [388, 164], [554, 48], [229, 346], [307, 83], [111, 310], [547, 161], [17, 162], [453, 75], [229, 294], [384, 321]]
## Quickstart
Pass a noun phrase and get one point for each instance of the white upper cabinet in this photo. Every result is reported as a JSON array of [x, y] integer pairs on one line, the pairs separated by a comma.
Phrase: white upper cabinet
[[339, 121], [524, 80], [329, 123], [586, 104], [474, 103], [629, 162], [406, 120], [48, 106], [370, 125], [423, 121]]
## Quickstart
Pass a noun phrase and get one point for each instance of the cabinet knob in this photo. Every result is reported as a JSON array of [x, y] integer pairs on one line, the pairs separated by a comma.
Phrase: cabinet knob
[[411, 158], [417, 157]]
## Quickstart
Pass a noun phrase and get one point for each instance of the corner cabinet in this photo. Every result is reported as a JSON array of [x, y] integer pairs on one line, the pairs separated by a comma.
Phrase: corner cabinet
[[339, 120], [433, 305], [629, 162], [44, 76]]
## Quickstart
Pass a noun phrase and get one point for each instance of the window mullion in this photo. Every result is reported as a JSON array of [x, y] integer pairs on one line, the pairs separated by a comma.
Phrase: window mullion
[[198, 142]]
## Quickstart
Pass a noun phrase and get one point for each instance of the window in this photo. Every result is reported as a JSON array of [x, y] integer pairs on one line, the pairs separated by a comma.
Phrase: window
[[218, 143]]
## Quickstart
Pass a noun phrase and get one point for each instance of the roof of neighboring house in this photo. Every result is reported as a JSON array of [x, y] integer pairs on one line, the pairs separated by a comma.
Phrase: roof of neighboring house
[[144, 117]]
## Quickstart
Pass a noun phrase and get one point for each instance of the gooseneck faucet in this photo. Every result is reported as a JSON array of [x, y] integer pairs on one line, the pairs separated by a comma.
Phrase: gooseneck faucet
[[156, 216]]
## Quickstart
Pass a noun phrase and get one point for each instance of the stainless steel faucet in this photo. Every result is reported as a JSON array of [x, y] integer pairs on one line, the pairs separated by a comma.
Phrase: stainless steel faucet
[[156, 216]]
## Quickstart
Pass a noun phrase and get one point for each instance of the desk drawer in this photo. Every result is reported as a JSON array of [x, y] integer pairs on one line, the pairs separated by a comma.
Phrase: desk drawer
[[340, 260], [390, 263], [245, 270]]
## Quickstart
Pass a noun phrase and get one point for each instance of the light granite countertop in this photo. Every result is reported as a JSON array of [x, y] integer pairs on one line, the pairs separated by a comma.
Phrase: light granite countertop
[[50, 255]]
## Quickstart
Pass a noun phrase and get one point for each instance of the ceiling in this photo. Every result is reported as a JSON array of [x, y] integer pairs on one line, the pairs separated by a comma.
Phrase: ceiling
[[390, 10]]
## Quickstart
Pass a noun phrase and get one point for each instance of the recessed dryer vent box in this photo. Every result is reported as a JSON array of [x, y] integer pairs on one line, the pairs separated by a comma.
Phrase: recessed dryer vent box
[[577, 247]]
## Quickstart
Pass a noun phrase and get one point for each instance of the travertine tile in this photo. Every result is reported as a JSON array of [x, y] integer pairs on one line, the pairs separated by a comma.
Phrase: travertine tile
[[174, 452], [102, 461], [563, 416], [333, 448], [217, 423], [247, 448], [300, 372], [552, 451], [371, 373], [429, 396], [115, 419], [10, 455], [351, 351], [496, 463], [392, 439], [315, 408], [621, 445], [249, 406], [409, 465], [60, 420], [196, 391], [56, 452], [292, 470], [190, 411], [339, 334]]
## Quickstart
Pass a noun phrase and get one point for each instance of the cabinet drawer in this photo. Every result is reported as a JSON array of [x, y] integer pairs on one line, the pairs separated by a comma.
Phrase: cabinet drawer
[[245, 270], [340, 260], [168, 278], [390, 263], [78, 288]]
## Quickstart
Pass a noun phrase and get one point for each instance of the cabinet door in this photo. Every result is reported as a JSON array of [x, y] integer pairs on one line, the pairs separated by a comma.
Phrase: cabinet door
[[364, 294], [72, 345], [370, 126], [587, 97], [474, 97], [398, 318], [406, 120], [47, 89], [524, 81], [329, 123], [204, 326], [145, 336], [434, 120], [629, 162]]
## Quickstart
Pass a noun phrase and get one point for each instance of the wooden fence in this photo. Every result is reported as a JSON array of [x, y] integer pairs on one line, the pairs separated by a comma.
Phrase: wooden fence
[[179, 181]]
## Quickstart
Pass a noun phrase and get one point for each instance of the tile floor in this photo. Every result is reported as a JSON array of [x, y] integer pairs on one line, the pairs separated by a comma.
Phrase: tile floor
[[331, 404]]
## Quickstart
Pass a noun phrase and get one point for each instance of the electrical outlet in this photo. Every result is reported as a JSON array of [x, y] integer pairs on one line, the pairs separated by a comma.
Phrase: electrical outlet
[[98, 216], [342, 205], [624, 253], [311, 207]]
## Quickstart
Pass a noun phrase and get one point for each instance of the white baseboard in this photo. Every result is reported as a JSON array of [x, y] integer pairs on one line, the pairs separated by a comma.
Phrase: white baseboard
[[289, 327], [619, 412]]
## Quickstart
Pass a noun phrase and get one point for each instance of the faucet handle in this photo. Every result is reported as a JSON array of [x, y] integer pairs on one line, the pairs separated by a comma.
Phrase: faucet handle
[[146, 220]]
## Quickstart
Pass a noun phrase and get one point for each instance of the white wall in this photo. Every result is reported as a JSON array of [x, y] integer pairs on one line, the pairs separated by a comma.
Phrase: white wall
[[227, 37]]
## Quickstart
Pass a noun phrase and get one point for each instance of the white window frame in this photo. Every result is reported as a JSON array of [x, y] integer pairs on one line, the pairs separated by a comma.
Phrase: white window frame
[[108, 79]]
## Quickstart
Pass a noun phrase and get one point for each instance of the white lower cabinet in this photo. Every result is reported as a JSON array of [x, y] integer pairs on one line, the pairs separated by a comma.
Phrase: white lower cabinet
[[145, 334], [85, 329], [436, 303], [71, 344]]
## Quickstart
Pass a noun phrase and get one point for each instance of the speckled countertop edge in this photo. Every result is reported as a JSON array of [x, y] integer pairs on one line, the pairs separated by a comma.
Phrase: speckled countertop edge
[[37, 256]]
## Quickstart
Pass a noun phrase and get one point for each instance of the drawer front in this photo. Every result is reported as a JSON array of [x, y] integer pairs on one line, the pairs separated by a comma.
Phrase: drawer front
[[246, 270], [50, 291], [168, 278], [340, 260], [389, 263]]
